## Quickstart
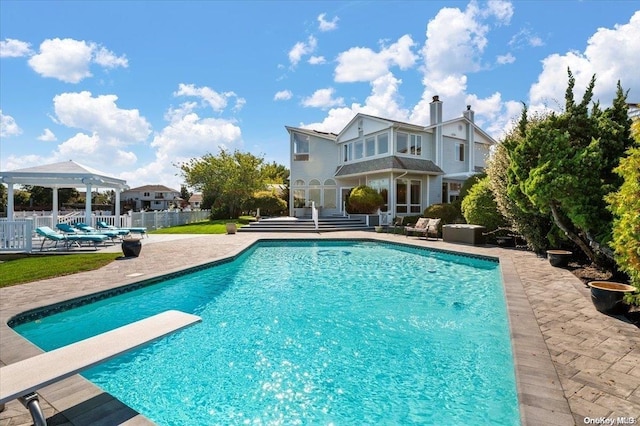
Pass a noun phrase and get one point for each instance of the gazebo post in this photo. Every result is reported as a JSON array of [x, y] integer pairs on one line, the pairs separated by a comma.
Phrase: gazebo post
[[10, 201], [117, 209], [54, 210], [87, 206]]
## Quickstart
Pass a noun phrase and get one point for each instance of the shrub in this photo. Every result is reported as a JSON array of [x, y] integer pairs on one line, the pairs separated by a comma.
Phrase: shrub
[[480, 208], [625, 205], [268, 203], [364, 200], [447, 212]]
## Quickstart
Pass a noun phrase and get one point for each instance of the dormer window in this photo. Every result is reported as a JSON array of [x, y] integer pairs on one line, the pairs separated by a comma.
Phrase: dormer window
[[408, 144]]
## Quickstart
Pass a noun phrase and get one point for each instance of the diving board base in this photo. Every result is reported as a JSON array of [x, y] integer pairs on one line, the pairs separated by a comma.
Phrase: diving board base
[[29, 375]]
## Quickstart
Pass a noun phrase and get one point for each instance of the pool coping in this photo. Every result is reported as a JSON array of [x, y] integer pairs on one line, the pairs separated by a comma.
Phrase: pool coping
[[540, 394]]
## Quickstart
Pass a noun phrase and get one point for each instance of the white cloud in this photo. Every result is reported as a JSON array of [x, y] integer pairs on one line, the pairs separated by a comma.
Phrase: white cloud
[[323, 98], [301, 49], [47, 136], [100, 115], [217, 101], [69, 60], [283, 95], [364, 64], [599, 58], [505, 59], [8, 126], [502, 10], [12, 48], [317, 60], [325, 25], [108, 59], [524, 38]]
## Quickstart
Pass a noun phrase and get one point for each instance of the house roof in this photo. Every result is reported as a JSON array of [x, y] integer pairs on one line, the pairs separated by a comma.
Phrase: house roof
[[311, 132], [152, 188], [392, 163], [195, 198], [66, 174]]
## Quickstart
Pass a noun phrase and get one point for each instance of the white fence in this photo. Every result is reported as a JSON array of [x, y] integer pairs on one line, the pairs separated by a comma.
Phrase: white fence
[[18, 234]]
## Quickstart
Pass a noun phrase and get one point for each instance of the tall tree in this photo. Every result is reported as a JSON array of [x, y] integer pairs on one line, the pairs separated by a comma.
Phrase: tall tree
[[228, 180], [564, 166], [275, 173]]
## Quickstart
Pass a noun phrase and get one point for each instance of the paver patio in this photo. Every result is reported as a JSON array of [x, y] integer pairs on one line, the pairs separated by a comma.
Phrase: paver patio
[[572, 362]]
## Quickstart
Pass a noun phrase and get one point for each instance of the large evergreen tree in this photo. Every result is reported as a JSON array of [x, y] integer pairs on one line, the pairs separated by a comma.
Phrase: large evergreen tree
[[564, 166]]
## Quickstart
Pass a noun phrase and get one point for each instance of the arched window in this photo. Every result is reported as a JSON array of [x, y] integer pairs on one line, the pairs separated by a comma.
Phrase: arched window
[[299, 182], [330, 182], [314, 182]]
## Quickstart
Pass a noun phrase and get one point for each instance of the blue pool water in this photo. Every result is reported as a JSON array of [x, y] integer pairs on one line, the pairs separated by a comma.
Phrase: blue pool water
[[330, 332]]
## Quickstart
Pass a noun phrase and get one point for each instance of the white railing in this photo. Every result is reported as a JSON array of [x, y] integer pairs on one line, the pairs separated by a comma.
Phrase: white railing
[[16, 235], [314, 214]]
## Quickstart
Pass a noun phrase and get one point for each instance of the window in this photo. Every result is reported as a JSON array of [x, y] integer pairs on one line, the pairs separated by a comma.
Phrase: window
[[382, 186], [383, 143], [408, 196], [330, 198], [299, 198], [402, 143], [415, 145], [300, 147], [299, 182], [460, 151], [146, 194], [347, 152], [370, 147], [314, 195], [358, 150]]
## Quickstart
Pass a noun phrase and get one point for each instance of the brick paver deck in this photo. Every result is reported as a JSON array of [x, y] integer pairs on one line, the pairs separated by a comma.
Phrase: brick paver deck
[[572, 362]]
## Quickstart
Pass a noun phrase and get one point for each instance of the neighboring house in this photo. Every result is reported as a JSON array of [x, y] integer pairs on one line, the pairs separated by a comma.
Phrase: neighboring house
[[151, 197], [195, 201], [412, 166]]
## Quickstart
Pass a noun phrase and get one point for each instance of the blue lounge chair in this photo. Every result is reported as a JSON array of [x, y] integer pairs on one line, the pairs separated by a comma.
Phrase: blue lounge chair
[[68, 240], [87, 229], [104, 225]]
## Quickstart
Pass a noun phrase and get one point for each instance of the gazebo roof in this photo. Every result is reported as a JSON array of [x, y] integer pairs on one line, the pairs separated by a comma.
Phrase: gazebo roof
[[67, 174]]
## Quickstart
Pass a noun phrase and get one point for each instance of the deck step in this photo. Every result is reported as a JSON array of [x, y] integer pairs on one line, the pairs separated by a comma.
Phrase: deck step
[[325, 224]]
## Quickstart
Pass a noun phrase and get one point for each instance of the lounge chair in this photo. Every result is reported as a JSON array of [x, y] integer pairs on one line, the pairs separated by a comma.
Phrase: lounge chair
[[65, 228], [90, 230], [424, 226], [104, 225], [68, 240]]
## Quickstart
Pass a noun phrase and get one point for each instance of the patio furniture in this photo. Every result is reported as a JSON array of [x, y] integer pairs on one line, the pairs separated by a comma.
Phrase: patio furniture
[[68, 240], [133, 230], [397, 224], [426, 227], [463, 233]]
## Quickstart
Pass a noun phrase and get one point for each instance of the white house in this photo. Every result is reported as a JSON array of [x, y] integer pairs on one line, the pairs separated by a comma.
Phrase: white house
[[151, 197], [411, 165]]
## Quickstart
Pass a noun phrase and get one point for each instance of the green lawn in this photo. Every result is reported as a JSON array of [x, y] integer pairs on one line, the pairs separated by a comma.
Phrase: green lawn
[[18, 269], [207, 227], [23, 268]]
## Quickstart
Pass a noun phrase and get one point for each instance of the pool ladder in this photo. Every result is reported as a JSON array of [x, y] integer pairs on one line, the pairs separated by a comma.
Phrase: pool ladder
[[32, 403]]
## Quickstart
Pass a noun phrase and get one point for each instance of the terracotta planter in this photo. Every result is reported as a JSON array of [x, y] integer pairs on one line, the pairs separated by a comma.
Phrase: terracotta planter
[[607, 296], [559, 258]]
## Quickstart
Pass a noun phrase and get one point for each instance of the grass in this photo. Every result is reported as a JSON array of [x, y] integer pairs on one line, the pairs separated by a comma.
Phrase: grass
[[24, 268], [217, 226]]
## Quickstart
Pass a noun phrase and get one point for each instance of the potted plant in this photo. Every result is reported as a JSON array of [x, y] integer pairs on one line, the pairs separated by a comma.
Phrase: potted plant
[[607, 296], [231, 227], [559, 258]]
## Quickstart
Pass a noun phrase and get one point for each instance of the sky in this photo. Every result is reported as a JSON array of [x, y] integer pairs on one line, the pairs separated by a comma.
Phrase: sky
[[135, 88]]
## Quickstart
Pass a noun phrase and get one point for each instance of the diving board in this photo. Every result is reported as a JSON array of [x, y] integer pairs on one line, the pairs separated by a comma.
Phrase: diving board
[[29, 375]]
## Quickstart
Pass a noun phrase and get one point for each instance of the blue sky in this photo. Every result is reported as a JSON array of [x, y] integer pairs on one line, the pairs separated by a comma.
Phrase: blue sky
[[133, 87]]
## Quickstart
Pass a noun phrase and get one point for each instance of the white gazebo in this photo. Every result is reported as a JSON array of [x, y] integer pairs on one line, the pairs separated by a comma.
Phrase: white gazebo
[[67, 174]]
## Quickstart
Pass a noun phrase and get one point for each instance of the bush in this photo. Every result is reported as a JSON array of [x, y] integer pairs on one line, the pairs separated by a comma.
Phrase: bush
[[625, 205], [364, 200], [480, 208], [449, 213], [268, 203]]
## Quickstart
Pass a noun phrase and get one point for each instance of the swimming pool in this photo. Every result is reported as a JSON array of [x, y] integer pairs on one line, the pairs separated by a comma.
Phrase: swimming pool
[[313, 332]]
